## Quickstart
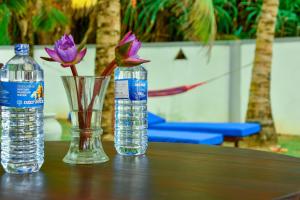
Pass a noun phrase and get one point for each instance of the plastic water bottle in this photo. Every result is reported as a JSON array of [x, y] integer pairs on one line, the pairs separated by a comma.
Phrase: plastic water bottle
[[21, 101], [131, 91]]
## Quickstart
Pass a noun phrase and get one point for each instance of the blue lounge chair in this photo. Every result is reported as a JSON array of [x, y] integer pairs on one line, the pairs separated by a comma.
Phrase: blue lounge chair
[[231, 131], [155, 119], [184, 137]]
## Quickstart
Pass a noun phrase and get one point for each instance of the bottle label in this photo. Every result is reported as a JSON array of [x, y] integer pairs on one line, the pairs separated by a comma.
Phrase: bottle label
[[132, 89], [22, 94]]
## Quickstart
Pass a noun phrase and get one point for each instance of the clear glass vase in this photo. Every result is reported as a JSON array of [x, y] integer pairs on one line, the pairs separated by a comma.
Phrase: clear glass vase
[[85, 95]]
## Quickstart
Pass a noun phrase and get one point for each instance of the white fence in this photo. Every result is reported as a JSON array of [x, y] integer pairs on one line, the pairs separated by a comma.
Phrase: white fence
[[221, 100]]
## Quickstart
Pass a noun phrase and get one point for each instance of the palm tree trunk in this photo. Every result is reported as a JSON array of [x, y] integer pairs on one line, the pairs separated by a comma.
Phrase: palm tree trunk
[[107, 37], [259, 106]]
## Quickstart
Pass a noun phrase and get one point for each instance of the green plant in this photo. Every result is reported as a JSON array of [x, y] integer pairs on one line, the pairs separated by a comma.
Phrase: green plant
[[239, 18], [201, 22], [7, 8], [288, 20], [4, 22], [188, 19], [226, 13], [48, 18], [250, 13], [45, 18]]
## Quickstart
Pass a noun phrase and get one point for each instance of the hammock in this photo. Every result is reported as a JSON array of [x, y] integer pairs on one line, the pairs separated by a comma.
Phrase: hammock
[[185, 88], [173, 91]]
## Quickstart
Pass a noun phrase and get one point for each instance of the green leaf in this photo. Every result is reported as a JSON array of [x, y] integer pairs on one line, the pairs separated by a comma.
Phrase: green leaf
[[4, 24], [201, 22], [17, 6], [58, 17], [47, 20]]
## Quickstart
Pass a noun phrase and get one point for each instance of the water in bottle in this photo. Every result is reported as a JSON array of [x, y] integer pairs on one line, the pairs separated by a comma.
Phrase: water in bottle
[[21, 101], [131, 91]]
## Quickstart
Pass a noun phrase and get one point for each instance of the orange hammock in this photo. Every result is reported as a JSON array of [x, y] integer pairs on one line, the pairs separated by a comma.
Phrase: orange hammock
[[173, 91]]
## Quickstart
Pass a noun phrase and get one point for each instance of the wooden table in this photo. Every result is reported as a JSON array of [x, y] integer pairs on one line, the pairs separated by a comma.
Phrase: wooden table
[[169, 171]]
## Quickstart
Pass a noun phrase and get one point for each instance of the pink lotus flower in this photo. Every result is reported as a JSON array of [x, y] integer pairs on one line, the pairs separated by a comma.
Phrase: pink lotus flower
[[125, 54], [126, 51], [65, 52]]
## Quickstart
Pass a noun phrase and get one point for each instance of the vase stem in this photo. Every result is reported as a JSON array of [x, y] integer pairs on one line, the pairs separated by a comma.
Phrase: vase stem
[[91, 150]]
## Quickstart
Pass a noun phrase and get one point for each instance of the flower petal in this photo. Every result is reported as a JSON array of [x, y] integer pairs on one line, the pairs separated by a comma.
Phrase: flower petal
[[127, 38], [67, 54], [66, 65], [48, 59], [123, 50], [70, 39], [80, 56], [130, 62], [53, 55], [135, 46]]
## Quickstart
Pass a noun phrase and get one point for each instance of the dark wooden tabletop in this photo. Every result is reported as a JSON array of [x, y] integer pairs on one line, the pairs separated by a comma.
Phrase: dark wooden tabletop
[[168, 171]]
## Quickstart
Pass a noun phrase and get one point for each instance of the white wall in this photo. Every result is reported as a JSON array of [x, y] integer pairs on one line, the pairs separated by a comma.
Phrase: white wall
[[165, 72], [209, 102]]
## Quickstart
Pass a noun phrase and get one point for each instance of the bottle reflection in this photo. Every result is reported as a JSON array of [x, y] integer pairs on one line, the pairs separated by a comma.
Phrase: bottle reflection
[[19, 186], [131, 178]]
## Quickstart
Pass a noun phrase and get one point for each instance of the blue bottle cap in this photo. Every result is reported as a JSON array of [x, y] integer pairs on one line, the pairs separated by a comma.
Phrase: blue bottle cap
[[22, 49]]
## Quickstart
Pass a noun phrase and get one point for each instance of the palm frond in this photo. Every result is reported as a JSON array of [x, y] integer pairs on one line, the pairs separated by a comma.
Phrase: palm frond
[[201, 21], [187, 19]]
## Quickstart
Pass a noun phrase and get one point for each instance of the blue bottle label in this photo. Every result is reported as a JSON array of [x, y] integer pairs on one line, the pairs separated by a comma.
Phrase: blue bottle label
[[132, 89], [22, 94]]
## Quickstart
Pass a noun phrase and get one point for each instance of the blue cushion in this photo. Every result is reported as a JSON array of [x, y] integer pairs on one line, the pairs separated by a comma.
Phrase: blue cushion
[[154, 119], [184, 137], [227, 129]]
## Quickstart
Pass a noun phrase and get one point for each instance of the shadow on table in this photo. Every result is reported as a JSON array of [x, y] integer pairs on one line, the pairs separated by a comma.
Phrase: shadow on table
[[15, 186], [131, 177]]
